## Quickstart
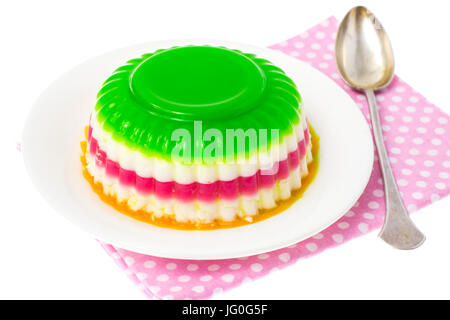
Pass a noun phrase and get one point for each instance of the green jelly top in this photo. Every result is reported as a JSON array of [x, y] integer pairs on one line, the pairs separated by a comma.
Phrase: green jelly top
[[198, 103]]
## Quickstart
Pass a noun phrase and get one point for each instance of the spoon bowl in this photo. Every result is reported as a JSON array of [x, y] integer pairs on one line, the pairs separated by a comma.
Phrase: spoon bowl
[[363, 51]]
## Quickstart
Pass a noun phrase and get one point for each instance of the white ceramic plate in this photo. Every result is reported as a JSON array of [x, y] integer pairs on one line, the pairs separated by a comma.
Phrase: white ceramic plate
[[51, 152]]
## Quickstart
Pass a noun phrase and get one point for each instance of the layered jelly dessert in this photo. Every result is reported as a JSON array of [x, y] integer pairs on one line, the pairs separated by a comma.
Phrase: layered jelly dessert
[[198, 135]]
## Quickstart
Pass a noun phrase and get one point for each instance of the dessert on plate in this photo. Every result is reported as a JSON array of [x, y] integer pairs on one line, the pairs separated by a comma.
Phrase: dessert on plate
[[198, 136]]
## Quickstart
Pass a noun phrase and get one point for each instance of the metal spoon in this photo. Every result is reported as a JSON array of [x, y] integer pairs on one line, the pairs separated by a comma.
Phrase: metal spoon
[[365, 61]]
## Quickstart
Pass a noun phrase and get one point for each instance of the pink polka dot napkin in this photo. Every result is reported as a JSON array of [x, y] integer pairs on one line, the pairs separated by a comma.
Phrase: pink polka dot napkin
[[417, 138]]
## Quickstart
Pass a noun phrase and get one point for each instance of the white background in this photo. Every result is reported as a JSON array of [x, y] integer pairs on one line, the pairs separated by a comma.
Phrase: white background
[[43, 256]]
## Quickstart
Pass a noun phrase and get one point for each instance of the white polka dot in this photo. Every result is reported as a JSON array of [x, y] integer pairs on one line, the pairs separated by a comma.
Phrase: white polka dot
[[411, 109], [397, 99], [217, 290], [206, 278], [393, 108], [425, 119], [154, 289], [443, 175], [176, 289], [410, 162], [380, 98], [407, 119], [425, 174], [403, 129], [417, 195], [184, 278], [439, 131], [311, 246], [400, 89], [435, 197], [283, 43], [421, 184], [274, 269], [162, 278], [402, 182], [171, 266], [304, 35], [335, 76], [192, 267], [141, 275], [393, 160], [330, 47], [389, 118], [299, 44], [436, 142], [373, 205], [428, 110], [328, 56], [368, 216], [213, 267], [320, 35], [399, 139], [414, 152], [129, 261], [378, 193], [440, 185], [421, 130], [343, 225], [406, 172], [446, 164], [432, 152], [442, 120], [428, 163], [246, 280], [418, 140], [235, 266], [338, 238], [285, 257], [350, 214], [316, 46], [323, 65], [396, 150], [311, 55], [385, 127], [318, 236], [363, 227], [228, 277], [294, 53], [149, 264], [198, 289], [414, 99], [256, 267]]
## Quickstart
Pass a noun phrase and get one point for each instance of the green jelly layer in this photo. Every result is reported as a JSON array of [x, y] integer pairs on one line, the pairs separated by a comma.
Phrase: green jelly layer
[[213, 95]]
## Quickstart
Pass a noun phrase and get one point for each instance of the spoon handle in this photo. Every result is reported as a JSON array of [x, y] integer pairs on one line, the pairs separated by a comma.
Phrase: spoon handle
[[398, 229]]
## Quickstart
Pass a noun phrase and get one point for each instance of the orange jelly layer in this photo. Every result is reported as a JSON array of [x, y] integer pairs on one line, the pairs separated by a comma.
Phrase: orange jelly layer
[[167, 222]]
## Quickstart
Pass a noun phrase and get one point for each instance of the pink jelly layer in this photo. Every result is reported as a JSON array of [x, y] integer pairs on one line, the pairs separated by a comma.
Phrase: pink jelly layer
[[228, 190]]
